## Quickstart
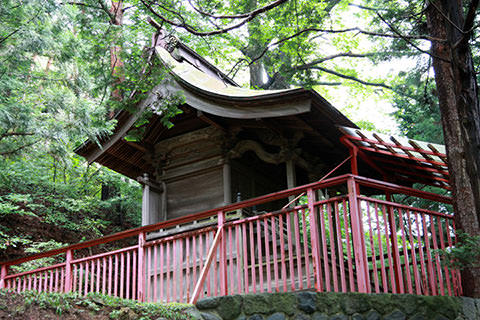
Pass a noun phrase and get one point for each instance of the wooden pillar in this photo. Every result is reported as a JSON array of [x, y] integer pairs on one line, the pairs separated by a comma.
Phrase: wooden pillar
[[227, 182], [353, 160], [3, 274], [291, 178], [163, 205], [146, 219], [68, 271], [358, 237]]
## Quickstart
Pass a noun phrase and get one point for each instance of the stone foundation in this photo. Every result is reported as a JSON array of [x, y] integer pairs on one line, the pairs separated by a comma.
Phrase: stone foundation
[[308, 305]]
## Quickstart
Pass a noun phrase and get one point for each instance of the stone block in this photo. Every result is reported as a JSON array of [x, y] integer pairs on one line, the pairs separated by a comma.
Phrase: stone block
[[469, 309], [356, 316], [319, 316], [355, 303], [417, 316], [257, 303], [283, 302], [339, 316], [329, 302], [229, 307], [277, 316], [193, 313], [255, 317], [209, 316], [395, 315], [301, 316], [207, 303], [307, 301], [372, 315]]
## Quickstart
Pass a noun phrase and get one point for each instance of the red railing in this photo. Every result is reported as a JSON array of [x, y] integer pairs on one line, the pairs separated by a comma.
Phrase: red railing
[[334, 240]]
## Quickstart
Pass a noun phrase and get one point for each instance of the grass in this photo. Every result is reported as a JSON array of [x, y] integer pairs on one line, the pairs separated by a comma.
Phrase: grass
[[93, 303]]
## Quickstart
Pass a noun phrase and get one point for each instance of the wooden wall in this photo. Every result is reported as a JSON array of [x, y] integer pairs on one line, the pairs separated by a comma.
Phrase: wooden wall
[[191, 169]]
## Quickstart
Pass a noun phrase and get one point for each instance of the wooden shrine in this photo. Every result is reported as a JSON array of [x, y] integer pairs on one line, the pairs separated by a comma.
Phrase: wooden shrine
[[218, 209], [228, 144]]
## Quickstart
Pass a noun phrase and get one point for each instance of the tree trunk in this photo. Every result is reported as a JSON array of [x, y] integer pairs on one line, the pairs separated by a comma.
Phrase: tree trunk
[[109, 190], [116, 64], [459, 106]]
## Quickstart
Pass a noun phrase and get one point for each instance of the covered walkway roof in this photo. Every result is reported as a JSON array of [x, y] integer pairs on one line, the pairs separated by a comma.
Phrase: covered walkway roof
[[399, 159]]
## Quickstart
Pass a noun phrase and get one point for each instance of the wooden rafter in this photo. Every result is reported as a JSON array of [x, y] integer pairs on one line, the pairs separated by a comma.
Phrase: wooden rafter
[[406, 160]]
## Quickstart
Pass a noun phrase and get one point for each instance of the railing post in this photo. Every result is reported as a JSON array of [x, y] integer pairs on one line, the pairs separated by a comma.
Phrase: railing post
[[358, 237], [68, 271], [396, 252], [141, 267], [315, 240], [223, 255], [3, 274]]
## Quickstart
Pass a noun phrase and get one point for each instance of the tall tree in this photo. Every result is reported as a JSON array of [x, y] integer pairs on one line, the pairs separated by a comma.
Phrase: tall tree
[[457, 89]]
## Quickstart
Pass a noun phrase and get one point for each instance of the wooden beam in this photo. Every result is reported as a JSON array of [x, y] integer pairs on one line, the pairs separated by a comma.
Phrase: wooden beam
[[210, 121], [310, 129], [413, 166], [362, 155], [136, 146]]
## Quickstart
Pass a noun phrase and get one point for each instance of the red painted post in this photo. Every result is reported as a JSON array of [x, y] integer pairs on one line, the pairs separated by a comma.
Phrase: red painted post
[[396, 251], [357, 236], [267, 255], [223, 255], [252, 258], [333, 257], [141, 268], [68, 271], [260, 257], [3, 274], [315, 240]]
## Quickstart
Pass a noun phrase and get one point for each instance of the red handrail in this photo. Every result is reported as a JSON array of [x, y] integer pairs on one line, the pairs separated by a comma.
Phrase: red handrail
[[143, 253], [381, 185]]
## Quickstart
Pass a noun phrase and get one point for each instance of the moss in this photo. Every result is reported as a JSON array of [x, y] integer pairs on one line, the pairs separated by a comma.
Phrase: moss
[[283, 302], [329, 303], [257, 303], [355, 302], [229, 307], [94, 304]]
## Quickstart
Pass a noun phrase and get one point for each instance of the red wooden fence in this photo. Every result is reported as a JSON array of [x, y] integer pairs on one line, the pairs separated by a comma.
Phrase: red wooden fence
[[342, 243]]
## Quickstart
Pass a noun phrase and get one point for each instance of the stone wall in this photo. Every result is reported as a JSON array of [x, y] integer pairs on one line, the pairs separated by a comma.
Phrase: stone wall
[[307, 305]]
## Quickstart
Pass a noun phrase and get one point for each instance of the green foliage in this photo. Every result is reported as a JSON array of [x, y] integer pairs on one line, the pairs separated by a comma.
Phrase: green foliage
[[465, 253], [62, 195], [56, 301], [115, 307], [37, 247], [417, 110]]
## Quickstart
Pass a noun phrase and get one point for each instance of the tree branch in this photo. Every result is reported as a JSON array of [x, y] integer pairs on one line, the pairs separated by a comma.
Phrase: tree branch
[[250, 16], [105, 9], [15, 134], [445, 16], [331, 57], [20, 28], [82, 4], [341, 75], [468, 25], [9, 152], [407, 39], [239, 16]]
